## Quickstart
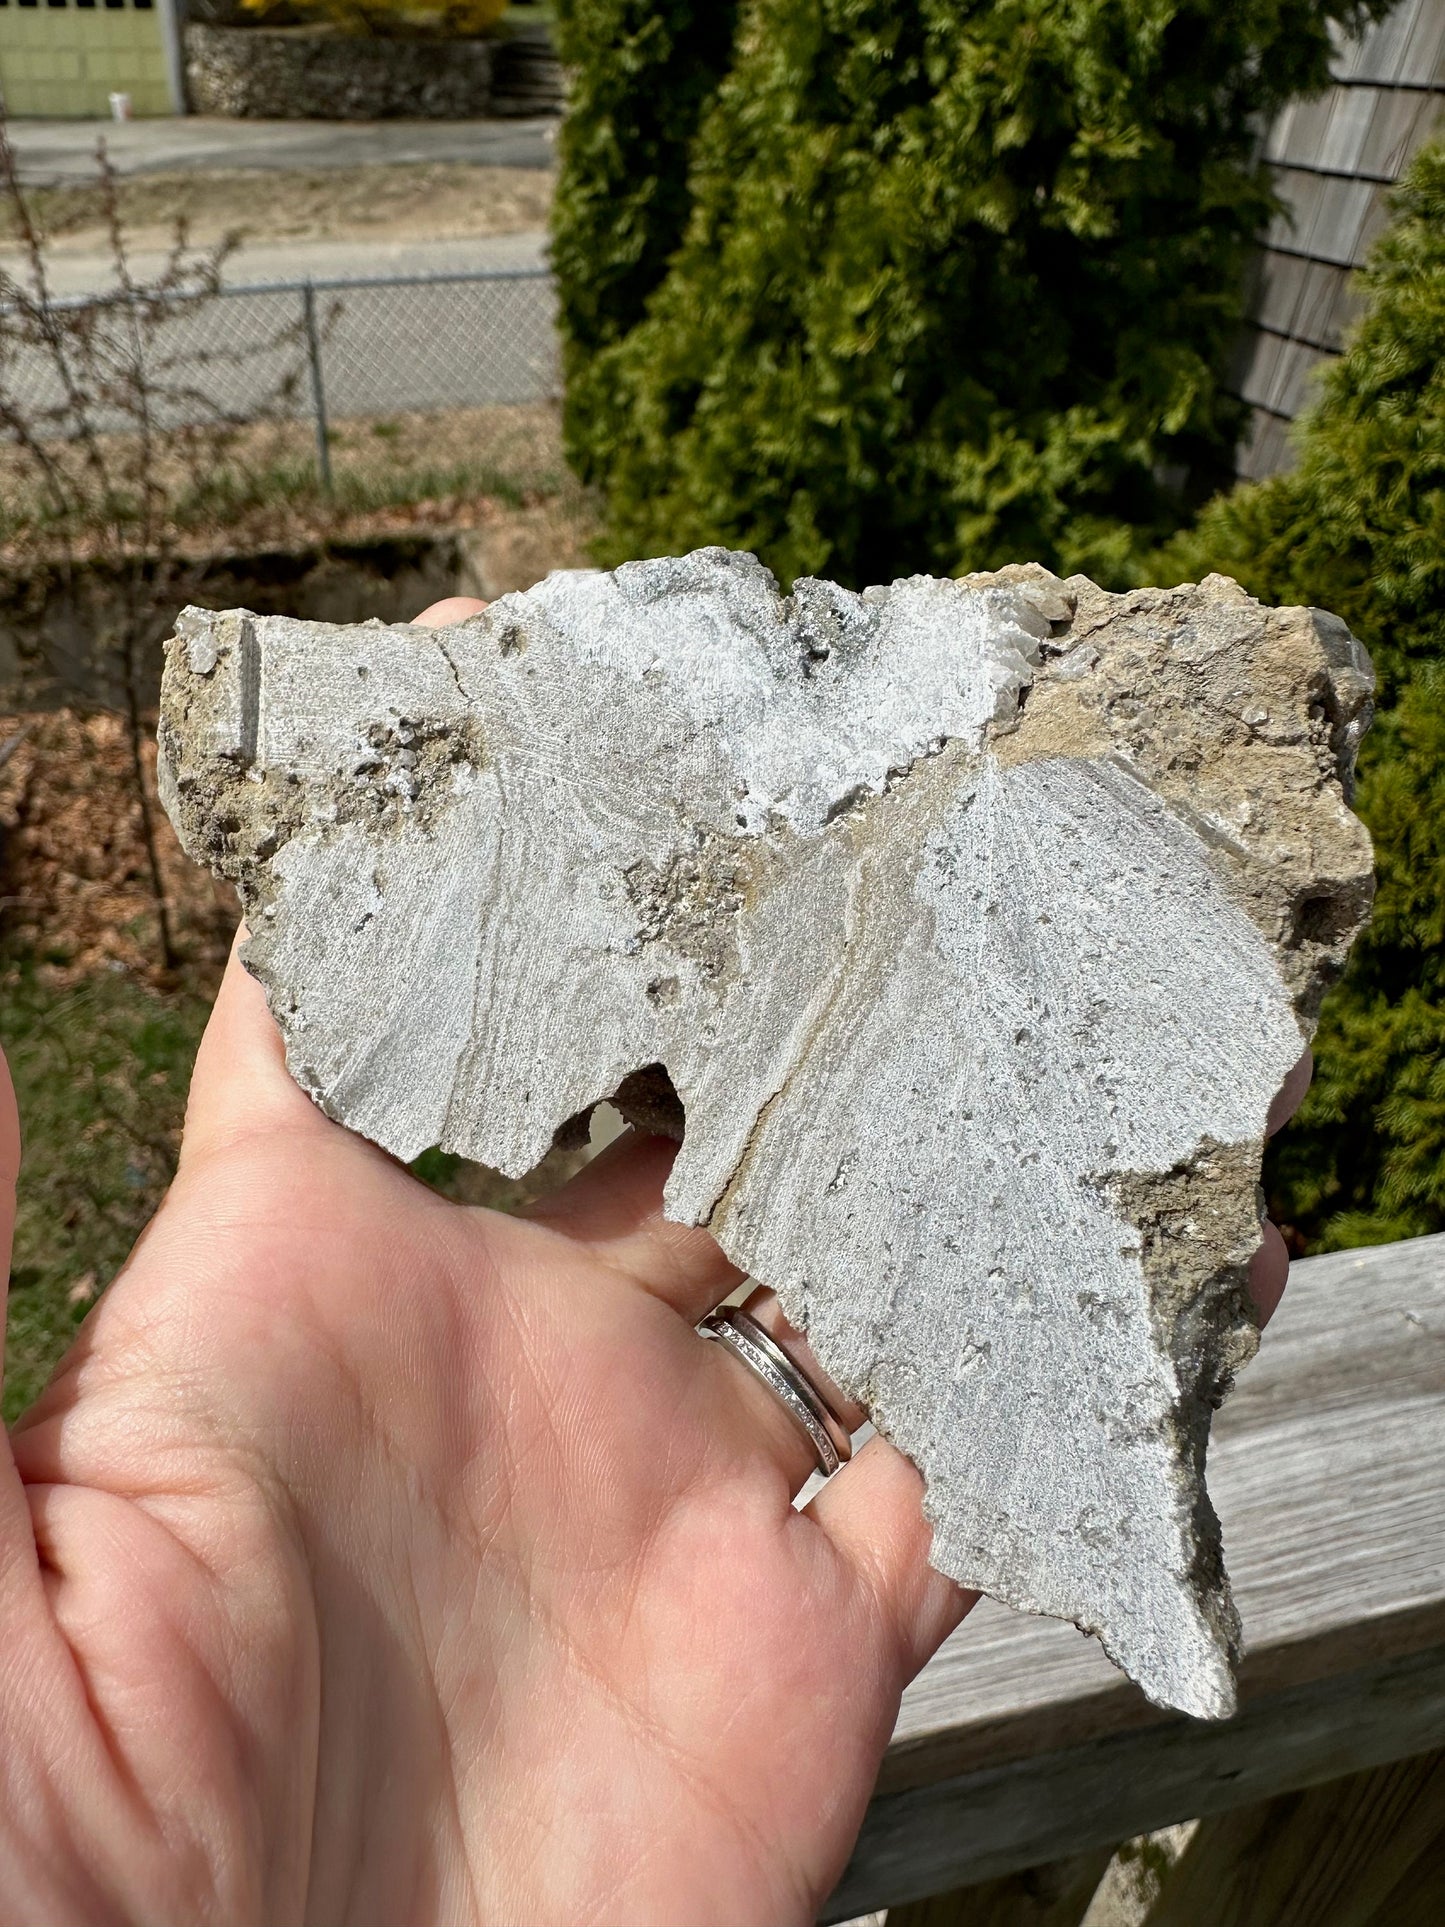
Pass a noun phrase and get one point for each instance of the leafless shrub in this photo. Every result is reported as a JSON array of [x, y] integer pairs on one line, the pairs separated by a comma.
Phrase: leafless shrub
[[115, 442]]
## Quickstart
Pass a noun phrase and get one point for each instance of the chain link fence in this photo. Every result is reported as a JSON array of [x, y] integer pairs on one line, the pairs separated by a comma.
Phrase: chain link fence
[[444, 363]]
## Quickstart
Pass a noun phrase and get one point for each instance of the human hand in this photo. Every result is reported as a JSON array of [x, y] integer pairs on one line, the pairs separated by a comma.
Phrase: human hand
[[377, 1558]]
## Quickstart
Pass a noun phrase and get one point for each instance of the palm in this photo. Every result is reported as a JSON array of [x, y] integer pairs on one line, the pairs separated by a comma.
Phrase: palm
[[373, 1559], [469, 1575]]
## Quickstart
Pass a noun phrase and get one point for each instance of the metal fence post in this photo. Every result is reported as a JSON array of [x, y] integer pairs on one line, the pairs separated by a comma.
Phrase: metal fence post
[[318, 390]]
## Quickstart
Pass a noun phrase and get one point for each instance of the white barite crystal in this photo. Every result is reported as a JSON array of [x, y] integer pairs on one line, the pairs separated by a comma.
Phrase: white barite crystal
[[975, 1006]]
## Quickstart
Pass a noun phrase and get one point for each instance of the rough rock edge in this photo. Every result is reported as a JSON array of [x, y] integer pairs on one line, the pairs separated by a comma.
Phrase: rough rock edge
[[1205, 1319]]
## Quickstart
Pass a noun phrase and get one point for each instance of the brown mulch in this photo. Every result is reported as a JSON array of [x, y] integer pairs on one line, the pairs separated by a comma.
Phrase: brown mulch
[[75, 883]]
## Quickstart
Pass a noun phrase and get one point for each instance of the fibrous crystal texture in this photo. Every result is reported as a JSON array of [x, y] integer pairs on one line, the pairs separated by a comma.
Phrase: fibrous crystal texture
[[974, 924]]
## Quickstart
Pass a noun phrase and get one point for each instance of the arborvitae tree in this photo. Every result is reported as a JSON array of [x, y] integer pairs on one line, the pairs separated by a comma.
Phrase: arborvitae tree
[[958, 282], [1359, 527], [643, 72]]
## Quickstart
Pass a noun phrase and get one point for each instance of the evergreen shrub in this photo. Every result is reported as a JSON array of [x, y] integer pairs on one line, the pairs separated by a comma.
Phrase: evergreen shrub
[[1359, 527], [934, 284], [643, 72], [393, 19]]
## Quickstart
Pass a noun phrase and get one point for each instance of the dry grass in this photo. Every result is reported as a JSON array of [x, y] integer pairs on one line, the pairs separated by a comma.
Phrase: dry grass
[[454, 469], [521, 443], [420, 201]]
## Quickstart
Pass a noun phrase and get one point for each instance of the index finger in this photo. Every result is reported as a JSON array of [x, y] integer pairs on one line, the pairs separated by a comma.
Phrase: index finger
[[452, 608]]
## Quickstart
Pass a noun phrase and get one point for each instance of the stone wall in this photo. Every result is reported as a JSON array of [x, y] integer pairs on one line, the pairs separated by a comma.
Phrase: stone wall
[[302, 73]]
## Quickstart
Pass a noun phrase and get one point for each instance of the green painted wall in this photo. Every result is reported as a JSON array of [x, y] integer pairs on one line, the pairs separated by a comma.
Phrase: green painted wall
[[64, 61]]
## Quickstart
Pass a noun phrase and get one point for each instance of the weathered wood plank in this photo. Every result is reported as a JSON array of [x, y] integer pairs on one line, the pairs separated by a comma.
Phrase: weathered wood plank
[[1018, 1744], [994, 1821], [1424, 57], [1400, 127], [1334, 158], [1331, 1856], [1266, 448], [1379, 53]]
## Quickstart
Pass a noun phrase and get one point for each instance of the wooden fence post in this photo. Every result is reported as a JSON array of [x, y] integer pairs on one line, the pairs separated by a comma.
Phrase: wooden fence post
[[1057, 1895], [1366, 1851]]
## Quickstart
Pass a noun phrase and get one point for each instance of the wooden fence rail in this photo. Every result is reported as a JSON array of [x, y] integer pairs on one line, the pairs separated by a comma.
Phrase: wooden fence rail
[[1021, 1759]]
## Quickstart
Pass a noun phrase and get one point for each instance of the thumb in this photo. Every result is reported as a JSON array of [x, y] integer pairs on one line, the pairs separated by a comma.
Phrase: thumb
[[240, 1087]]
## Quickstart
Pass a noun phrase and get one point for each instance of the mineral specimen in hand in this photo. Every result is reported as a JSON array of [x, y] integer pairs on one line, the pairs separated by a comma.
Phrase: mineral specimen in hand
[[975, 925]]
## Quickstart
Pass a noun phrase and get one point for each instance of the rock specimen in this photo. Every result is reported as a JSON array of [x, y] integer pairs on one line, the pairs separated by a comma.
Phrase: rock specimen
[[975, 925]]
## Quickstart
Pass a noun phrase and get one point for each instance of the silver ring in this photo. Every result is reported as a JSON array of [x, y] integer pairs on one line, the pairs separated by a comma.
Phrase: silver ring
[[746, 1339]]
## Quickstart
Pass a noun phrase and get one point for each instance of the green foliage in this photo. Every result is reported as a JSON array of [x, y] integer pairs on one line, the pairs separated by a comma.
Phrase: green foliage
[[643, 73], [451, 19], [957, 282], [101, 1070], [1359, 527]]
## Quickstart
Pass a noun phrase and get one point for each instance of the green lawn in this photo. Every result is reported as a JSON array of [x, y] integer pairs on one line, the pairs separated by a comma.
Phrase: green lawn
[[101, 1071]]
